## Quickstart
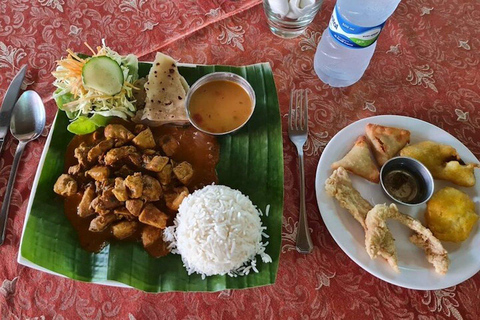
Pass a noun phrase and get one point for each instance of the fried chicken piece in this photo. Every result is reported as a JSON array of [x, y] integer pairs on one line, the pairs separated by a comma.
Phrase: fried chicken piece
[[99, 173], [150, 234], [84, 209], [100, 223], [169, 145], [134, 206], [123, 212], [81, 154], [134, 183], [151, 215], [124, 229], [340, 187], [65, 186], [443, 161], [155, 163], [174, 200], [119, 132], [75, 170], [99, 150], [184, 172], [106, 202], [165, 176], [152, 190], [117, 154], [145, 140], [120, 191], [378, 236]]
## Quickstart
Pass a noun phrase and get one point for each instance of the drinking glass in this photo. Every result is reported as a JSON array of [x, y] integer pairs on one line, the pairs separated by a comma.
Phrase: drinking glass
[[289, 18]]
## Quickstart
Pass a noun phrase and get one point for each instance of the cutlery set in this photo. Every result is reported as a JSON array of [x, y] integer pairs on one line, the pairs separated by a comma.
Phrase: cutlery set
[[26, 118]]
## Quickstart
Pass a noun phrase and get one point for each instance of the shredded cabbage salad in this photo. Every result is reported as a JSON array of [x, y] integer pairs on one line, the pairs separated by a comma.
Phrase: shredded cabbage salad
[[89, 108]]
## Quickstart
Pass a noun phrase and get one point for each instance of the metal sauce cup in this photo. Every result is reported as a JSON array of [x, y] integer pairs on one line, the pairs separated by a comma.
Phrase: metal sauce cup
[[406, 181], [220, 76]]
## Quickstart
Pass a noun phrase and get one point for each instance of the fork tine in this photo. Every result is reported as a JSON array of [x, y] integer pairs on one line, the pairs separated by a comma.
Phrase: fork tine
[[291, 111], [305, 111], [298, 111]]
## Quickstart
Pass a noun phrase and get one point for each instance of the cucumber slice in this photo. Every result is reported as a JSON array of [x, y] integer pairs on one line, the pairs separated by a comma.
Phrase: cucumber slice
[[103, 74]]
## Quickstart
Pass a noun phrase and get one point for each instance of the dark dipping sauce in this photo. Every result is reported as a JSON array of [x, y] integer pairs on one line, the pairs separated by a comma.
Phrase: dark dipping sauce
[[405, 186], [199, 149]]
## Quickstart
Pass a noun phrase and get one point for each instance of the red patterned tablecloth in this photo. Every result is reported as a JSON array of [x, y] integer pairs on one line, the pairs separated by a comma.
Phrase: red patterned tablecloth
[[426, 66]]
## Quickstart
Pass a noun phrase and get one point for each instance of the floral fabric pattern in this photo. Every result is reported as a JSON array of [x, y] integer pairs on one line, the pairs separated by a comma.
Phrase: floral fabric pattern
[[425, 66]]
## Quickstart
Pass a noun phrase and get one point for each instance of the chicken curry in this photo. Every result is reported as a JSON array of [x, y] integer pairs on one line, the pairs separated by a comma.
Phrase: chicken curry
[[126, 181]]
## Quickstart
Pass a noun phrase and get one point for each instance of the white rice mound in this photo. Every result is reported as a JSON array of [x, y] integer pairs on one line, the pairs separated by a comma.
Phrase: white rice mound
[[218, 231]]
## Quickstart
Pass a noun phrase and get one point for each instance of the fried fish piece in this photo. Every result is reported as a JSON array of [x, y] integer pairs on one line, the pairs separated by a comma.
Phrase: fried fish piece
[[340, 187], [359, 161], [386, 141], [443, 161], [451, 215], [378, 236]]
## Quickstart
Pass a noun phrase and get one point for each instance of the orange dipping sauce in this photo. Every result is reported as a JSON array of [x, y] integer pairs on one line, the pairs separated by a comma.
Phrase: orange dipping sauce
[[220, 106]]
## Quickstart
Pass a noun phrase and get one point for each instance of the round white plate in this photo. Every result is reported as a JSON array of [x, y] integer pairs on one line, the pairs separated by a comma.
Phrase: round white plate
[[415, 271]]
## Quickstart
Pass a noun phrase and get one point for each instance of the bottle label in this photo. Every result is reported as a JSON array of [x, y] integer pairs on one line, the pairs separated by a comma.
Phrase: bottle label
[[351, 35]]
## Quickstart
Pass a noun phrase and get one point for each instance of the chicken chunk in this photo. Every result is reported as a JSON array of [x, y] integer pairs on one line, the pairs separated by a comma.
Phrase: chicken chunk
[[117, 154], [99, 150], [120, 191], [119, 132], [151, 215], [99, 173], [152, 190], [134, 206], [84, 209], [100, 223], [156, 163], [124, 171], [81, 154], [65, 186], [134, 183], [184, 172], [75, 170], [106, 202], [123, 212], [124, 229], [139, 128], [169, 145], [145, 140], [173, 200], [165, 176], [150, 234]]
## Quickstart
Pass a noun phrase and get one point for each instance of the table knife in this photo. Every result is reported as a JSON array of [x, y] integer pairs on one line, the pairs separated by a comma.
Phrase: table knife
[[8, 102]]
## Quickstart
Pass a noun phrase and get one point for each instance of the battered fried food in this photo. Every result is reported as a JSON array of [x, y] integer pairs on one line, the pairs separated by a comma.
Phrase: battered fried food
[[379, 241], [451, 215], [378, 236], [340, 186], [359, 161], [386, 141], [443, 162]]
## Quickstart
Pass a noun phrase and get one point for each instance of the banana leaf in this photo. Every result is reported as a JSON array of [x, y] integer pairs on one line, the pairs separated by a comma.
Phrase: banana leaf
[[251, 161]]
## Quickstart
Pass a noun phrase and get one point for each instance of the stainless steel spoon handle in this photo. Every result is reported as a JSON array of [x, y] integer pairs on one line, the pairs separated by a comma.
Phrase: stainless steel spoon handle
[[304, 241], [8, 191]]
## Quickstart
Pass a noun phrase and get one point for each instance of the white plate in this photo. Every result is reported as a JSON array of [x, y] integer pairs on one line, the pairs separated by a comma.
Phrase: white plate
[[415, 271]]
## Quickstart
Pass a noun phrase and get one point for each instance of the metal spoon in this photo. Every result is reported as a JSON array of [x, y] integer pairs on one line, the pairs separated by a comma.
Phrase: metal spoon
[[26, 124]]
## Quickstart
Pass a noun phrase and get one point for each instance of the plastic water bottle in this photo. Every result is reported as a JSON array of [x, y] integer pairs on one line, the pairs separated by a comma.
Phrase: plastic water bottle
[[347, 45]]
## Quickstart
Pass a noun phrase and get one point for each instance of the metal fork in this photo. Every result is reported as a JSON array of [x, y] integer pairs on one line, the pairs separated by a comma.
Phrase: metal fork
[[298, 132]]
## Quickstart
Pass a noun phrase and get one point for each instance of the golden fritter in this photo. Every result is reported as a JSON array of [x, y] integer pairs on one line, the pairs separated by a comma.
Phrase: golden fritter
[[443, 162], [451, 215]]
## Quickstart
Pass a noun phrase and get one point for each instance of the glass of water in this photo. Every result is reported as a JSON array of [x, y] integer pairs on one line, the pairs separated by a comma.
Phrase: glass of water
[[289, 18]]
